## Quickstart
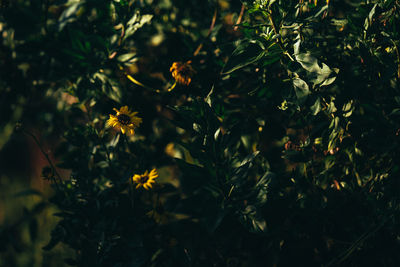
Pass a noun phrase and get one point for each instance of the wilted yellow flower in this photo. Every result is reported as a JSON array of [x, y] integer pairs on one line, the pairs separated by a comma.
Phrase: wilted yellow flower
[[182, 72], [146, 179], [125, 120]]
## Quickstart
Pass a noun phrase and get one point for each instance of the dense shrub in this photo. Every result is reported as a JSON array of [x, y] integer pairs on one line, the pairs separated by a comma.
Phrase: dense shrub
[[269, 129]]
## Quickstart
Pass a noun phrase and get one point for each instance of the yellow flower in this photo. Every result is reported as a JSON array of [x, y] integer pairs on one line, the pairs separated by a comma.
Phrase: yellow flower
[[125, 120], [146, 179], [182, 72]]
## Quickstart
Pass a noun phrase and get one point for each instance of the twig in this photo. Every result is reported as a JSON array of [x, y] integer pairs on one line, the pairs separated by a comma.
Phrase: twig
[[121, 36], [107, 152], [279, 41], [46, 14], [45, 155], [131, 188], [208, 34], [239, 18], [344, 255]]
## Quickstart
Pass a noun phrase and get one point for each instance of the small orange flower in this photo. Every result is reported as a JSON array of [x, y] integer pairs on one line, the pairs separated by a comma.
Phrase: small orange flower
[[146, 179], [182, 72]]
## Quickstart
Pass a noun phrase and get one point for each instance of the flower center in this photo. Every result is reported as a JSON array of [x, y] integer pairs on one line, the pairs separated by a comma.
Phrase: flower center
[[143, 179], [124, 119], [185, 72]]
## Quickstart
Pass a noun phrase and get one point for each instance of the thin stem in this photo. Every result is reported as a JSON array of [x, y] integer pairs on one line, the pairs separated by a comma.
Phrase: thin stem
[[276, 31], [345, 254], [107, 152], [111, 165], [239, 20], [131, 188], [46, 14], [198, 49], [126, 141], [172, 87], [45, 155]]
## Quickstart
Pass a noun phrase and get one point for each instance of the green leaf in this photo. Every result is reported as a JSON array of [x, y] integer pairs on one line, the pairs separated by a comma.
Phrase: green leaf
[[348, 109], [244, 55], [69, 14], [263, 187], [395, 111], [318, 74], [252, 220], [368, 20], [249, 159], [316, 108], [136, 22], [301, 88], [127, 58]]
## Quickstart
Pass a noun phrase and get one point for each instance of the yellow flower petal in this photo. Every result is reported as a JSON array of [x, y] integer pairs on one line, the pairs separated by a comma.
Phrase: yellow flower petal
[[182, 72], [145, 180], [124, 120]]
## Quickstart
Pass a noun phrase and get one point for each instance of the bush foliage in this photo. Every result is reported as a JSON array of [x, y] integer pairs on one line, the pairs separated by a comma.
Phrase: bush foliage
[[273, 127]]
